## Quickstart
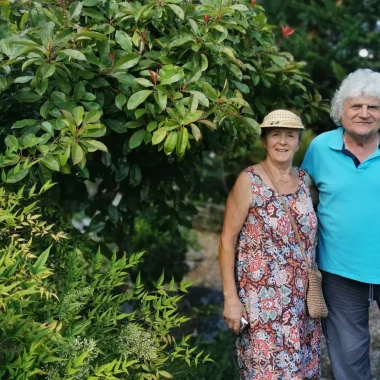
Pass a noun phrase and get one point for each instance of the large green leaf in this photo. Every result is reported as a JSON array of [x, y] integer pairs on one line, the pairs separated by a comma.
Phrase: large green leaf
[[136, 139], [182, 40], [127, 61], [3, 83], [29, 140], [46, 126], [47, 70], [170, 142], [11, 142], [91, 117], [75, 10], [27, 97], [77, 154], [196, 132], [51, 162], [158, 136], [47, 34], [78, 113], [120, 101], [23, 79], [133, 124], [93, 14], [91, 35], [161, 99], [201, 97], [98, 145], [52, 16], [16, 176], [137, 98], [104, 50], [41, 261], [279, 61], [124, 41], [177, 10], [239, 7], [192, 117], [76, 54], [171, 74], [135, 175], [23, 123], [143, 82], [239, 101], [183, 138], [79, 91], [97, 130], [116, 125]]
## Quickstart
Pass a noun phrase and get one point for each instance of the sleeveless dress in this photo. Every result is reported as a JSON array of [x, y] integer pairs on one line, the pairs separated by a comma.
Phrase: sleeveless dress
[[281, 341]]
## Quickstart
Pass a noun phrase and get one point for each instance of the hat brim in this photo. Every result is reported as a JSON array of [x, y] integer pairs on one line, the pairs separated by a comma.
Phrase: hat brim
[[282, 126]]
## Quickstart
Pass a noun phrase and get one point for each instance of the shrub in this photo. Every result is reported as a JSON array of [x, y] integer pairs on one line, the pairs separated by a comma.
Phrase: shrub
[[127, 94], [72, 325]]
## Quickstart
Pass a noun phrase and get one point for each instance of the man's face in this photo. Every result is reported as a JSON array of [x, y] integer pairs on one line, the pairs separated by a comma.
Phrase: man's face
[[361, 116]]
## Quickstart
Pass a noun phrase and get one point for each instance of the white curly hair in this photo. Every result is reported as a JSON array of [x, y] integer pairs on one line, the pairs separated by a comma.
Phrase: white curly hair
[[362, 82]]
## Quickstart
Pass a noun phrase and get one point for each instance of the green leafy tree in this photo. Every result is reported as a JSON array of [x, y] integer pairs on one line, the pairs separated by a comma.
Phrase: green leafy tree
[[329, 35], [121, 98]]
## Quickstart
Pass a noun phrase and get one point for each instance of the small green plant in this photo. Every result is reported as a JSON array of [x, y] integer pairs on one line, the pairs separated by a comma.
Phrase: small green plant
[[72, 325], [223, 367]]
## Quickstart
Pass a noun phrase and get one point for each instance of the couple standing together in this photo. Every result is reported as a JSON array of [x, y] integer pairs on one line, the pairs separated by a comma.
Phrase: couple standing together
[[263, 267]]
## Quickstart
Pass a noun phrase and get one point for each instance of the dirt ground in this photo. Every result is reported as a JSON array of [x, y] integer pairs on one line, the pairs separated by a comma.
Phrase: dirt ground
[[206, 273]]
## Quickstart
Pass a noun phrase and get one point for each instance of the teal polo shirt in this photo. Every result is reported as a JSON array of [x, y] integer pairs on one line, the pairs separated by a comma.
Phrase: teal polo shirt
[[348, 209]]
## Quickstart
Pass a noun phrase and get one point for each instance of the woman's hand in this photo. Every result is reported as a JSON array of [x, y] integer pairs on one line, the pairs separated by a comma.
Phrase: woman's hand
[[233, 311]]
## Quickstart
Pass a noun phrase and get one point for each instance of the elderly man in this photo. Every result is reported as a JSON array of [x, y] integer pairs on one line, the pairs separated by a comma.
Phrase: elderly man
[[345, 166]]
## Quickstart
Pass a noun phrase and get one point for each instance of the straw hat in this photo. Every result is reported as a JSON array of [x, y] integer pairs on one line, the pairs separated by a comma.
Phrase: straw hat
[[282, 119]]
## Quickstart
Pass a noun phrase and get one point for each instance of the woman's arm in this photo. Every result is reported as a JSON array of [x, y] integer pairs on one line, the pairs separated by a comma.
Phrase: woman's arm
[[313, 190], [237, 208]]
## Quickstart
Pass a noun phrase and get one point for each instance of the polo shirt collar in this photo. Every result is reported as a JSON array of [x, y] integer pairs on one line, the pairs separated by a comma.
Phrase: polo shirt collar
[[336, 140]]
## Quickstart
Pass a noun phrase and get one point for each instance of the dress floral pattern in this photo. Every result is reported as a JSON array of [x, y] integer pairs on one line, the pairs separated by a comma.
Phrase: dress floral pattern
[[281, 342]]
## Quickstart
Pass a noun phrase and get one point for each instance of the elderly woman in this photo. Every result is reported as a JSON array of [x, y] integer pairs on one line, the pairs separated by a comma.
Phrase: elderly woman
[[263, 269]]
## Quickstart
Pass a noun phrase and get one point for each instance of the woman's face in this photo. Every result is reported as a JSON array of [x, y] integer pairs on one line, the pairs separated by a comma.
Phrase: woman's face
[[281, 144]]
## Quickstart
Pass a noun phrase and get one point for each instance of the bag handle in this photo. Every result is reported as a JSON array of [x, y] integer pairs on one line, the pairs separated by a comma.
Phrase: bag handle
[[292, 221]]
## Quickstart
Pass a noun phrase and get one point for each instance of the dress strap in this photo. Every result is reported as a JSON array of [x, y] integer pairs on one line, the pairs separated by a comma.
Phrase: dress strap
[[251, 173], [301, 175]]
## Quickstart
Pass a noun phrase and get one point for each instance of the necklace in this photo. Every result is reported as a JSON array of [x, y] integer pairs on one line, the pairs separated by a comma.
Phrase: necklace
[[271, 177], [282, 180], [290, 178]]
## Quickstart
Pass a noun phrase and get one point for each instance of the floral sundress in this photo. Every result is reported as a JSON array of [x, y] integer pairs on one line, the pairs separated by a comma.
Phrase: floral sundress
[[281, 342]]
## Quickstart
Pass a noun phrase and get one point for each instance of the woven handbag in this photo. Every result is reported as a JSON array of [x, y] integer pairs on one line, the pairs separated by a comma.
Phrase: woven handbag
[[315, 302]]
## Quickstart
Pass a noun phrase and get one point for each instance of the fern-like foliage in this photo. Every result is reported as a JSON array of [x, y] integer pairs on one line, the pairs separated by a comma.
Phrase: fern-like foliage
[[62, 317]]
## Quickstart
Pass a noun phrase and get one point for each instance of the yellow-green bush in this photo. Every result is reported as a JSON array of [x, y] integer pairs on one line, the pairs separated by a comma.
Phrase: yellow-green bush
[[71, 325]]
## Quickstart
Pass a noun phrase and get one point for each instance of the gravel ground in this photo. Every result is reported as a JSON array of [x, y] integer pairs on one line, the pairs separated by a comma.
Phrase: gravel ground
[[205, 273]]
